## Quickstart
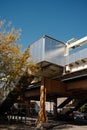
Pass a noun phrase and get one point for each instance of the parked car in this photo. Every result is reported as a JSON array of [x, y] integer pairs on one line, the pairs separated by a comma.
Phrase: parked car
[[77, 115], [85, 116], [73, 116]]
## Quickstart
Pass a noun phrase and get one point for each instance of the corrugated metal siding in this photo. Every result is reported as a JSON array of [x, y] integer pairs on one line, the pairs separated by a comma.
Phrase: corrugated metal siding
[[54, 52], [37, 51], [47, 49]]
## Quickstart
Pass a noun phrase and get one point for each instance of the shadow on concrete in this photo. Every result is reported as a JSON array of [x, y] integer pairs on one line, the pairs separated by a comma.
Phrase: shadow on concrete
[[80, 122], [30, 124]]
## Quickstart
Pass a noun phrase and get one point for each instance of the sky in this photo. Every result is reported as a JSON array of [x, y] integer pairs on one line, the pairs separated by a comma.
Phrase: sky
[[59, 19]]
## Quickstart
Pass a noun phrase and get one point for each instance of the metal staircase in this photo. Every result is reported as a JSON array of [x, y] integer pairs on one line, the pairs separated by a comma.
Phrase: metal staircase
[[66, 101], [80, 103]]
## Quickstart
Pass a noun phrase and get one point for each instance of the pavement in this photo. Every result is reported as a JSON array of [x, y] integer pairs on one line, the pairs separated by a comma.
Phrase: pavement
[[57, 127], [29, 124]]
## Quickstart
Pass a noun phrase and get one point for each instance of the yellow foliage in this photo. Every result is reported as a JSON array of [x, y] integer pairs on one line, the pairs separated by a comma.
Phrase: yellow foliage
[[13, 62]]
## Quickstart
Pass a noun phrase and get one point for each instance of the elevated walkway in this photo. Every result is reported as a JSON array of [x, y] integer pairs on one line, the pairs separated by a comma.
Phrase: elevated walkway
[[50, 55], [69, 87], [57, 58], [53, 57]]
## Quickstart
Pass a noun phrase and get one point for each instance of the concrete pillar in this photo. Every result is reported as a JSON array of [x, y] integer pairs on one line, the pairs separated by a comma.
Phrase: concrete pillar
[[28, 108], [55, 107]]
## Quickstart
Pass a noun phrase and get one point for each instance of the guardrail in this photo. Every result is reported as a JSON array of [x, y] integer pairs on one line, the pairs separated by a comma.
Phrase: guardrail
[[80, 55]]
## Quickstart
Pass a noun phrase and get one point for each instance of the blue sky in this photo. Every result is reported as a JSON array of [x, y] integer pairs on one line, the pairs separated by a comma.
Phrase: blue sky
[[60, 19]]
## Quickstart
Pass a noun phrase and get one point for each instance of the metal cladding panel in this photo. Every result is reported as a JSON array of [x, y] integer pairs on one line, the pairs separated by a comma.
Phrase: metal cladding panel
[[54, 51], [76, 56], [37, 51], [49, 50]]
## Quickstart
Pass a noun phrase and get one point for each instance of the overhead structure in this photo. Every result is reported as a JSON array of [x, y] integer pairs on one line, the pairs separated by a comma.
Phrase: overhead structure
[[77, 42], [57, 58], [48, 53], [76, 56]]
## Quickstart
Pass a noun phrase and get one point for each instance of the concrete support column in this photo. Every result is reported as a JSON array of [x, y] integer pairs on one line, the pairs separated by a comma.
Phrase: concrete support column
[[55, 107], [28, 108]]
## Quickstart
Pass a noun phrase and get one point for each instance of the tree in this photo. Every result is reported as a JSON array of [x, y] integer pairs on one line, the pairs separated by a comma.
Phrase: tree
[[16, 71], [15, 68], [84, 108]]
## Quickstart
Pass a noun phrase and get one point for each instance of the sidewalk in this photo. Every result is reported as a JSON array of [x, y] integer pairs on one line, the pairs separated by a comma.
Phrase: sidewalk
[[30, 125]]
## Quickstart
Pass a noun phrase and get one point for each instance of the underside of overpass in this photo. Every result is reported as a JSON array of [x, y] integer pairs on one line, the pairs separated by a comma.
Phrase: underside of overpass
[[71, 85], [72, 88]]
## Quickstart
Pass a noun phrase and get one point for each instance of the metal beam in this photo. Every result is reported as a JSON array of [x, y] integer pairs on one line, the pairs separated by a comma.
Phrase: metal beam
[[82, 40]]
